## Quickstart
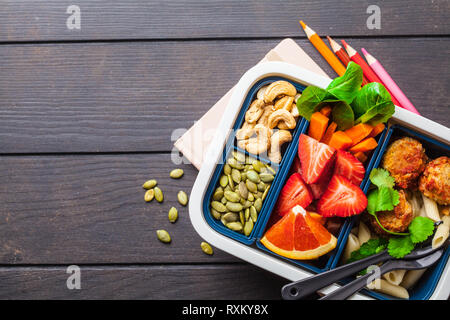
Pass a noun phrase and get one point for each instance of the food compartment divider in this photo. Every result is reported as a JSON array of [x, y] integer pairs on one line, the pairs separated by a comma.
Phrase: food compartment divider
[[334, 255], [427, 283], [231, 145]]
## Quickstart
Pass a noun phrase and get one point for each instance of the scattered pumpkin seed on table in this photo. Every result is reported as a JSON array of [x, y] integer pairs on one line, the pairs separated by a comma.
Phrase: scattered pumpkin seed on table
[[159, 194], [149, 195], [182, 197], [176, 173], [163, 236], [206, 248], [173, 214], [150, 184]]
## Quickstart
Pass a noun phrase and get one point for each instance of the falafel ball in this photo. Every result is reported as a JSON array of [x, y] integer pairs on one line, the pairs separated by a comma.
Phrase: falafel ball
[[435, 180], [396, 220], [405, 159]]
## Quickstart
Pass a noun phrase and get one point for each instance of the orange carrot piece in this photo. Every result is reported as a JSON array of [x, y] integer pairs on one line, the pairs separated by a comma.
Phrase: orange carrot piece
[[377, 130], [359, 132], [330, 130], [326, 111], [361, 156], [317, 125], [340, 140], [364, 146]]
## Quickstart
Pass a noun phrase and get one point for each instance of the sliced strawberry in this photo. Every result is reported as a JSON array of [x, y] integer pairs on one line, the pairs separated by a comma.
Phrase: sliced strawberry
[[321, 185], [295, 192], [315, 157], [296, 166], [342, 199], [348, 166]]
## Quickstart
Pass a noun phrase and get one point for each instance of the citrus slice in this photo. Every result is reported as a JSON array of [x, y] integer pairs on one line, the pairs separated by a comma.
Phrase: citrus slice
[[299, 236]]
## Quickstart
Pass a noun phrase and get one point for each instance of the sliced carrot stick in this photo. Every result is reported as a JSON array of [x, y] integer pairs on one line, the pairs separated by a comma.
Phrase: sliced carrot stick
[[377, 130], [317, 125], [330, 130], [361, 156], [364, 146], [340, 140], [359, 132], [326, 111]]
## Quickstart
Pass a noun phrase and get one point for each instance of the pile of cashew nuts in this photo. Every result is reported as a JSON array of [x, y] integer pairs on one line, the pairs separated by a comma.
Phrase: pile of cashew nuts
[[268, 120]]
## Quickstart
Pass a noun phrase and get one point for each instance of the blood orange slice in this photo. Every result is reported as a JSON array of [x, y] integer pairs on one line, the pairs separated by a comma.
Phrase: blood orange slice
[[299, 236]]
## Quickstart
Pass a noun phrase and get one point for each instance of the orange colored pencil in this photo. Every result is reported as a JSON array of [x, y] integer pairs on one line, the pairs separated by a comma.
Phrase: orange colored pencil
[[342, 55], [323, 49]]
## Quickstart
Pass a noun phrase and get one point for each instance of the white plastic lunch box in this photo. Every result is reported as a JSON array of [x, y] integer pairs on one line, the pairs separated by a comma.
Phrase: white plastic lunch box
[[438, 286]]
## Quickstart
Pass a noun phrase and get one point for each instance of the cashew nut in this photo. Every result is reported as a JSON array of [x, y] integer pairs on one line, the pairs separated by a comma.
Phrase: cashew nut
[[294, 111], [265, 116], [284, 103], [261, 142], [260, 93], [276, 141], [283, 119], [254, 111], [246, 131], [278, 88]]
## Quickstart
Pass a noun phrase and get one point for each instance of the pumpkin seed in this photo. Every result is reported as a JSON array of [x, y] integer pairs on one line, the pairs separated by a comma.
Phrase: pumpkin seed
[[253, 176], [243, 191], [253, 214], [149, 195], [232, 196], [248, 227], [251, 186], [223, 181], [241, 217], [258, 204], [206, 248], [224, 200], [261, 186], [266, 177], [258, 165], [218, 194], [232, 206], [215, 214], [163, 236], [235, 164], [251, 197], [176, 173], [226, 168], [236, 175], [247, 204], [243, 176], [216, 205], [265, 193], [230, 182], [259, 195], [149, 184], [173, 214], [227, 188], [182, 197], [271, 169], [159, 196], [240, 157], [247, 214], [230, 217], [235, 226]]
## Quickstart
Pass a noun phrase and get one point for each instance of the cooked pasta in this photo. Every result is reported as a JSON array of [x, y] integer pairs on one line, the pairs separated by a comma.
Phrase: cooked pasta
[[363, 233], [416, 203], [352, 245], [394, 277], [440, 235], [446, 220], [388, 288], [431, 208], [411, 277]]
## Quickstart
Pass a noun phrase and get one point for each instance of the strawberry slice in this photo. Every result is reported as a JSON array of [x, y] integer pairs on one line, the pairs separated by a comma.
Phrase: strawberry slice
[[315, 157], [342, 199], [295, 192], [348, 166], [321, 185], [296, 166]]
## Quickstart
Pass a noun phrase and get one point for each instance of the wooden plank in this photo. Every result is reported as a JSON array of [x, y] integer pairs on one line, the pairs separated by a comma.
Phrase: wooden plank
[[108, 97], [210, 282], [31, 20], [91, 209]]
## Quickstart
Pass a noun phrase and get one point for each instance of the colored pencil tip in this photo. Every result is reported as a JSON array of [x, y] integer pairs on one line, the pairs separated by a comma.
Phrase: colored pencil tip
[[365, 53], [302, 24], [344, 43]]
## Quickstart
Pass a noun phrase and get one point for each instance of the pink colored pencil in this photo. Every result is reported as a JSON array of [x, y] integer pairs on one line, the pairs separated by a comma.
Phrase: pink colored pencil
[[388, 82]]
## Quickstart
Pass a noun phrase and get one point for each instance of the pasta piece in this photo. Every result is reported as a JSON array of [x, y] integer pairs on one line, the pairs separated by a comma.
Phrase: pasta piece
[[363, 233], [431, 208], [416, 203], [411, 278], [388, 288], [446, 220], [440, 236], [394, 277], [352, 245]]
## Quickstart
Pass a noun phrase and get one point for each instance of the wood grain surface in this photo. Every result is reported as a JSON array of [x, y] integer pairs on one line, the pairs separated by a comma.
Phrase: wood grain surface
[[44, 20]]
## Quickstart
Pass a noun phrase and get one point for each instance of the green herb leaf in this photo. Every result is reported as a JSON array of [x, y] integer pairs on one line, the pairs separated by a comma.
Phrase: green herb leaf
[[378, 114], [371, 247], [372, 200], [347, 86], [309, 101], [399, 247], [420, 229], [370, 95], [342, 114], [381, 178]]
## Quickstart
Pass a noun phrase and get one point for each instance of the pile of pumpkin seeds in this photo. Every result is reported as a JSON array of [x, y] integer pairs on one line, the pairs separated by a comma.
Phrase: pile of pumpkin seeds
[[243, 186], [154, 192]]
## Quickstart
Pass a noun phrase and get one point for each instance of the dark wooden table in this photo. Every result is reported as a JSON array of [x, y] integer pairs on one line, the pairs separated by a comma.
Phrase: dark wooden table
[[86, 117]]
